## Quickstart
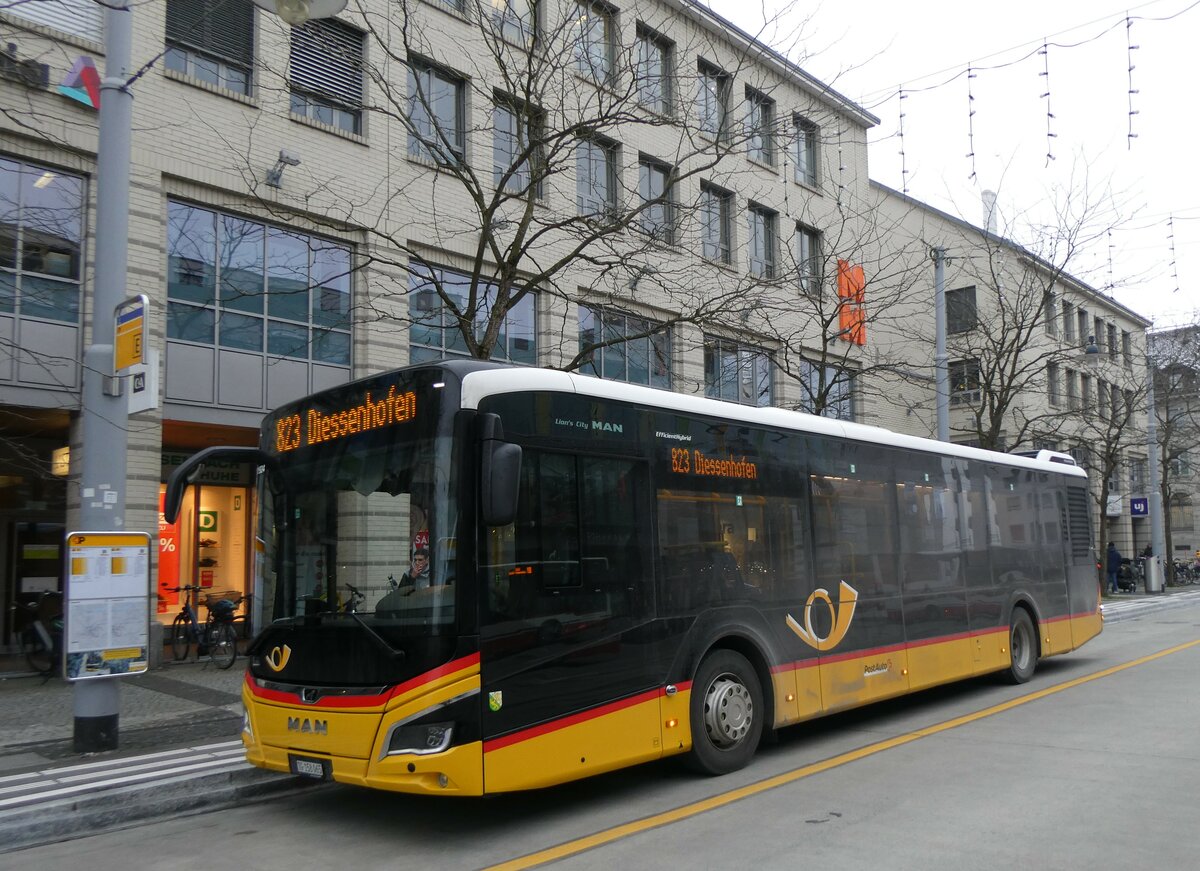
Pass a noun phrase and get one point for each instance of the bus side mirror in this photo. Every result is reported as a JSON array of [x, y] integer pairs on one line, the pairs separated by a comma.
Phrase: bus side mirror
[[500, 474], [178, 481]]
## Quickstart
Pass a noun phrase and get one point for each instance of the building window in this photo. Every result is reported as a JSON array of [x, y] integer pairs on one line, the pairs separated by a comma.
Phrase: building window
[[804, 151], [514, 20], [436, 112], [41, 242], [594, 45], [1137, 475], [596, 177], [83, 18], [1102, 395], [1127, 348], [1098, 333], [327, 73], [760, 127], [1068, 317], [1072, 390], [656, 189], [1050, 313], [211, 41], [716, 228], [964, 382], [1180, 466], [712, 100], [620, 347], [1113, 347], [514, 148], [437, 300], [762, 226], [1052, 392], [736, 373], [1085, 392], [250, 286], [1121, 409], [836, 385], [653, 71], [808, 259], [961, 314], [1081, 318]]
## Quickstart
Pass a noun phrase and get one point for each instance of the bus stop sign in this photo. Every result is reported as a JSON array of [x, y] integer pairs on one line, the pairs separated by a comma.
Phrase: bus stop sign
[[129, 345]]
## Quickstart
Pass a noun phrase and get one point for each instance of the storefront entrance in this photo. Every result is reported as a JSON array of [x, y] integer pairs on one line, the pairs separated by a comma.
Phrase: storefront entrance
[[209, 544]]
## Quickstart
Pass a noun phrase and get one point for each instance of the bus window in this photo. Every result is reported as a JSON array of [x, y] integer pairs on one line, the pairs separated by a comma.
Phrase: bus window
[[929, 523], [575, 561]]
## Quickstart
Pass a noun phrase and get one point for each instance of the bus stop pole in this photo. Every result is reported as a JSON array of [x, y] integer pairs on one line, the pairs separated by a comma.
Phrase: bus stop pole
[[104, 413]]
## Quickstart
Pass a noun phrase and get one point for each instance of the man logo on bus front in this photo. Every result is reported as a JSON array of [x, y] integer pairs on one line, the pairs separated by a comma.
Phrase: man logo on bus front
[[842, 615]]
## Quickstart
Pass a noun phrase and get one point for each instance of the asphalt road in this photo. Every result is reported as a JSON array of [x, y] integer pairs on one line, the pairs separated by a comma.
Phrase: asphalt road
[[1095, 764]]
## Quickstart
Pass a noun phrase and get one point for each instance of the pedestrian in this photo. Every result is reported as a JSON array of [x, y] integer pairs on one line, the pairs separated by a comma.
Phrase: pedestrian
[[1148, 552], [1113, 564]]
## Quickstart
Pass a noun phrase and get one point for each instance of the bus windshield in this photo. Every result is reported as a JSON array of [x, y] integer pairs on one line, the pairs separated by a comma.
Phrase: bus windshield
[[358, 510]]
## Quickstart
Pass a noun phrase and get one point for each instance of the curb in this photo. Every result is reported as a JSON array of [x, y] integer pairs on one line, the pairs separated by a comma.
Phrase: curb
[[112, 809]]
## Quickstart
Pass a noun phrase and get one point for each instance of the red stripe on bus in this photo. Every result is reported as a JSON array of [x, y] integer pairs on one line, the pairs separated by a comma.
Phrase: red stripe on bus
[[364, 701], [581, 717]]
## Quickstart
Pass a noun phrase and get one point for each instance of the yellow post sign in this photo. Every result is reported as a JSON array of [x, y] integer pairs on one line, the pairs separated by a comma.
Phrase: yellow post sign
[[129, 339]]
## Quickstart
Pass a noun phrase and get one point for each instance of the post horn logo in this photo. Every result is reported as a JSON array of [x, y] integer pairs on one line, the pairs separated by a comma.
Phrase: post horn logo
[[842, 615], [278, 658]]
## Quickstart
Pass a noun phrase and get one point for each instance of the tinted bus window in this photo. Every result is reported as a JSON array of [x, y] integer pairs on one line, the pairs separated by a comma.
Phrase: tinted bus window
[[853, 517], [929, 523], [1016, 542]]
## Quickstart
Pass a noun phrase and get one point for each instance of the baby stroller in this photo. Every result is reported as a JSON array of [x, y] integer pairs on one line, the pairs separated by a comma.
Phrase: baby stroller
[[1127, 577]]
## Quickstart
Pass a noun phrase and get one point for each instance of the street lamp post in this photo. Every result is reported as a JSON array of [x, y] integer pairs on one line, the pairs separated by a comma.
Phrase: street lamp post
[[103, 413]]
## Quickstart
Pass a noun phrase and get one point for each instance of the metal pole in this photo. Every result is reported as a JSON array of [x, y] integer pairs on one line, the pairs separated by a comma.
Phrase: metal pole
[[104, 416], [1157, 540], [939, 356]]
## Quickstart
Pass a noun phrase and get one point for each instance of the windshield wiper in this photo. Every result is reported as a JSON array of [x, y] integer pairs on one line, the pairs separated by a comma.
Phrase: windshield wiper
[[396, 654]]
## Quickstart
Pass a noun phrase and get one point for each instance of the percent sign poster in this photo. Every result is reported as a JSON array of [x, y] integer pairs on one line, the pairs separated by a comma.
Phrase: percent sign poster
[[108, 609]]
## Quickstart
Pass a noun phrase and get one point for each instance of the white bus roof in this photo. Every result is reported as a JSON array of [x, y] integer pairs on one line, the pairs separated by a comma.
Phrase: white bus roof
[[480, 384]]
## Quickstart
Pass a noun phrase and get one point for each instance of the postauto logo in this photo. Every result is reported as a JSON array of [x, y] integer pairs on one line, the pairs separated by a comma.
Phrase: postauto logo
[[842, 615]]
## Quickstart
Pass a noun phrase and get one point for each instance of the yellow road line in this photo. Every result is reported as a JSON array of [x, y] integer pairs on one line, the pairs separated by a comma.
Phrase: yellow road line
[[598, 839]]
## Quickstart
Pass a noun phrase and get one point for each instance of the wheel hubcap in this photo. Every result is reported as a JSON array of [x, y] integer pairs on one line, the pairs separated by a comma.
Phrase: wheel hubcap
[[1020, 648], [728, 711]]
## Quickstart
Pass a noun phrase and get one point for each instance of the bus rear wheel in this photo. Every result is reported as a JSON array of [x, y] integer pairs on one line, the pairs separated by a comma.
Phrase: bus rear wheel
[[1023, 645], [726, 713]]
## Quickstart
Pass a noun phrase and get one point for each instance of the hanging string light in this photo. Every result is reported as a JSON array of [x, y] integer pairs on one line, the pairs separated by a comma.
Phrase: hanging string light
[[1130, 48]]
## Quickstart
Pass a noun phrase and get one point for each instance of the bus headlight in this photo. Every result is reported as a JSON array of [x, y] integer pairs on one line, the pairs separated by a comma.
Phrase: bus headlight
[[246, 722], [421, 739]]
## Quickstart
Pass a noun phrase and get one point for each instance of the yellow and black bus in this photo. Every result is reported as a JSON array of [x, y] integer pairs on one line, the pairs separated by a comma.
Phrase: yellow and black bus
[[619, 574]]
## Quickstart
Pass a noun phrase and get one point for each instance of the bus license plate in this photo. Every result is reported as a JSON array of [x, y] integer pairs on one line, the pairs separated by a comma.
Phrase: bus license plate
[[306, 767]]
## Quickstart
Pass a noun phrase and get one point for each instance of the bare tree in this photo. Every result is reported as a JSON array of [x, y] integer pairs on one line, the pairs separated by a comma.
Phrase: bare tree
[[1175, 359]]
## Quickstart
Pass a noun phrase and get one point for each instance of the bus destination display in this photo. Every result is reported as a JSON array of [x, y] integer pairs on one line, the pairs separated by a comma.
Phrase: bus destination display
[[313, 426]]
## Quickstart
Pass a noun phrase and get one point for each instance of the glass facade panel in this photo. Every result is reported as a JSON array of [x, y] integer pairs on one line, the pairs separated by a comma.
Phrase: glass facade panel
[[435, 331], [241, 332], [190, 323], [287, 275], [241, 264]]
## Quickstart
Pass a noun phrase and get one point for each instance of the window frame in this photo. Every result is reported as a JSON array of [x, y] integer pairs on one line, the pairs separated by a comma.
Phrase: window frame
[[657, 346], [961, 317], [594, 156], [809, 265], [422, 320], [748, 360], [595, 57], [310, 98], [524, 120], [431, 146], [666, 229], [760, 127], [804, 150], [185, 48], [664, 101], [842, 382], [762, 242], [716, 210], [712, 100]]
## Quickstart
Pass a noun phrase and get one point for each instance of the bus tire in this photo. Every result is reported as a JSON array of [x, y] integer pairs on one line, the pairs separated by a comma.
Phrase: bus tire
[[727, 713], [1022, 647]]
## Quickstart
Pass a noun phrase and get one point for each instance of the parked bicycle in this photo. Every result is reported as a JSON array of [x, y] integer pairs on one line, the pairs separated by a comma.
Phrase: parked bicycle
[[41, 636], [216, 636], [1184, 574]]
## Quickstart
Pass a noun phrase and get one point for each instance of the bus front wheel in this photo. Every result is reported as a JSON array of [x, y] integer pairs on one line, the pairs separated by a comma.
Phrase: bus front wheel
[[1023, 645], [726, 713]]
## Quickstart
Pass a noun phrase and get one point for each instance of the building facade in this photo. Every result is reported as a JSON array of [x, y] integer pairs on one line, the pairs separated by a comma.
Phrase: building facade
[[637, 190]]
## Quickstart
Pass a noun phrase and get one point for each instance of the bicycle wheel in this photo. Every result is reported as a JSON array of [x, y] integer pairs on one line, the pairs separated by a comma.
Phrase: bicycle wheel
[[222, 645], [39, 657], [180, 630]]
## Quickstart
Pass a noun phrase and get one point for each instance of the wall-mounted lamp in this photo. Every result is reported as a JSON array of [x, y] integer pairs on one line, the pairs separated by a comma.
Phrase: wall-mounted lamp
[[1092, 348], [296, 12], [275, 173]]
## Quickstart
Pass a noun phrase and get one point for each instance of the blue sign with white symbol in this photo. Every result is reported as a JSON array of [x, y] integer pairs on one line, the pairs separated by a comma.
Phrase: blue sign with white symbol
[[1139, 507]]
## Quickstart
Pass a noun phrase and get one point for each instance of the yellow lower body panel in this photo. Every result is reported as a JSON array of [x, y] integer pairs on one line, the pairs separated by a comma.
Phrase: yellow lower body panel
[[933, 664], [1085, 627], [604, 740]]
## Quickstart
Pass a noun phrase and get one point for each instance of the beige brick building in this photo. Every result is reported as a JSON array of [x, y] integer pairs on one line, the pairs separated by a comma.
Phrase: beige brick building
[[672, 202]]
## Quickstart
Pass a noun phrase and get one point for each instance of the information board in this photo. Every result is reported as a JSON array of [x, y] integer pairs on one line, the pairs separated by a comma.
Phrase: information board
[[107, 629]]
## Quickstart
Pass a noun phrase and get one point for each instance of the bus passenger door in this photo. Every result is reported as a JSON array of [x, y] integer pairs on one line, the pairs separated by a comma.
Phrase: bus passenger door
[[571, 682]]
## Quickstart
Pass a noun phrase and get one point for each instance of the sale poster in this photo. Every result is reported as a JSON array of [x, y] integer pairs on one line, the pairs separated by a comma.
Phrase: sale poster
[[168, 560]]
